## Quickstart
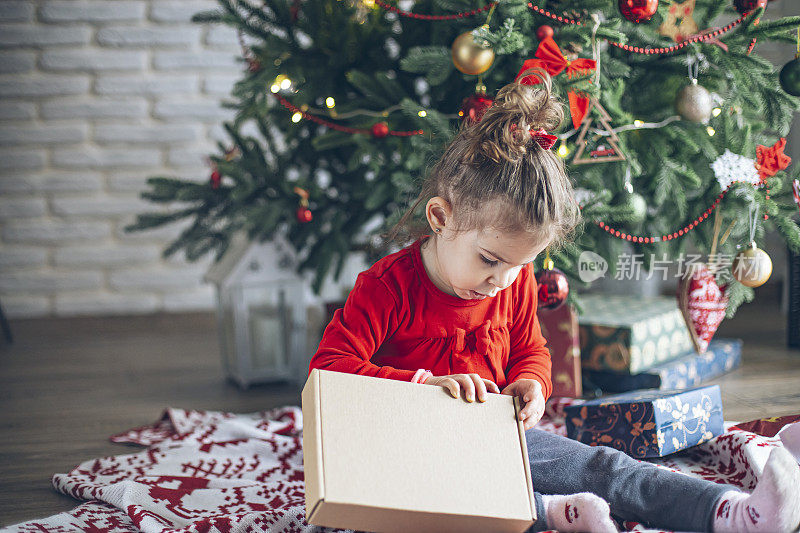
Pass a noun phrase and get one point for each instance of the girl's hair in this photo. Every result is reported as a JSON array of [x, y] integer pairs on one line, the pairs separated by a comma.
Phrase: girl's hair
[[497, 159]]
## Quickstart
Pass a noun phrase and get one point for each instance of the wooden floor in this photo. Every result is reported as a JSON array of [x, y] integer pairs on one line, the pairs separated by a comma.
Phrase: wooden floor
[[67, 384]]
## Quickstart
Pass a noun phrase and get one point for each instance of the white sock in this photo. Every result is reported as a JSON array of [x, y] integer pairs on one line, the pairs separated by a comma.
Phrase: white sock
[[774, 504], [583, 511]]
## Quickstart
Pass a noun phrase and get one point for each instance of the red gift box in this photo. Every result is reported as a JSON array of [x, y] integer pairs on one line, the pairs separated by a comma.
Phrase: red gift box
[[560, 328]]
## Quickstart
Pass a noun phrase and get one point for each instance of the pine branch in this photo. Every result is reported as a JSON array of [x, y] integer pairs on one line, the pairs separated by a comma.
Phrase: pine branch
[[433, 61]]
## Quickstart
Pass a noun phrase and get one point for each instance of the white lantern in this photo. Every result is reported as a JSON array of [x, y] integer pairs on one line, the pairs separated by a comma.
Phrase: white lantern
[[261, 312]]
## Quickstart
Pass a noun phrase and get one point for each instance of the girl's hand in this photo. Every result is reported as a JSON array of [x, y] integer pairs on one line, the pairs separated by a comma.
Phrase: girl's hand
[[472, 383], [530, 391]]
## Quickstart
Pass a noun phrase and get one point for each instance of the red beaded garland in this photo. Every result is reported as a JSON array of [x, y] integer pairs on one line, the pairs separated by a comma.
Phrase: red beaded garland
[[649, 51], [675, 234]]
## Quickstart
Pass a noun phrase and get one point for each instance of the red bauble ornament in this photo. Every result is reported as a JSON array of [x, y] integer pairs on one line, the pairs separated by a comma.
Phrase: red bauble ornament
[[473, 107], [304, 215], [216, 179], [638, 10], [746, 6], [543, 32], [380, 130], [553, 288]]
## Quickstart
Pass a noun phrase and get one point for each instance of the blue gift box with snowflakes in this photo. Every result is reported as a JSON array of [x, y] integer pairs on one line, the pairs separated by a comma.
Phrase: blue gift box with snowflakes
[[648, 423]]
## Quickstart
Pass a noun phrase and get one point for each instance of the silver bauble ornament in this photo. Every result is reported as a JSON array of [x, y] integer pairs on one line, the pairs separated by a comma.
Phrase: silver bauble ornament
[[694, 103]]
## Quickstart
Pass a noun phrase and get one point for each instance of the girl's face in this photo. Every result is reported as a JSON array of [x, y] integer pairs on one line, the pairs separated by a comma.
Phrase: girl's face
[[476, 264]]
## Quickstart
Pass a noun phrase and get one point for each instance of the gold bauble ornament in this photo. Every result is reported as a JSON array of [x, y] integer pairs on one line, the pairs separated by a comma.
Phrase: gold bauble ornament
[[469, 57], [694, 103], [752, 266]]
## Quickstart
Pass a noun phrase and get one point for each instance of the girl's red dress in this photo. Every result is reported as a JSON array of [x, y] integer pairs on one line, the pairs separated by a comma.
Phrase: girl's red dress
[[396, 321]]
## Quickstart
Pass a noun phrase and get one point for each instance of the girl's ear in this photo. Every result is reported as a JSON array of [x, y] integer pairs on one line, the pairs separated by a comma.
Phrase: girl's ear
[[438, 212]]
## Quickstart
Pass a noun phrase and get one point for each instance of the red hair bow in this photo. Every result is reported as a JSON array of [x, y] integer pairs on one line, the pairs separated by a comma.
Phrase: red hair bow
[[544, 139]]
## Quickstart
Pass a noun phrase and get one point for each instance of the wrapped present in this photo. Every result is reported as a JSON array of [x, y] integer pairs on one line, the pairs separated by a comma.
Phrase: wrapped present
[[722, 355], [631, 334], [560, 328], [648, 423]]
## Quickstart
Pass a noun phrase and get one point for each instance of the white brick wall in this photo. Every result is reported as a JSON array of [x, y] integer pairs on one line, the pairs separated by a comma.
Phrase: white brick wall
[[96, 96]]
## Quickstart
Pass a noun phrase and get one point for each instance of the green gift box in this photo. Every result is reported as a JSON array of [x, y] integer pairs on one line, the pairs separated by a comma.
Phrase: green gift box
[[630, 334]]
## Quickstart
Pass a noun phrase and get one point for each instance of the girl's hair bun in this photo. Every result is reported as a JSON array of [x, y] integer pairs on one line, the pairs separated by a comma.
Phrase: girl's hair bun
[[503, 132]]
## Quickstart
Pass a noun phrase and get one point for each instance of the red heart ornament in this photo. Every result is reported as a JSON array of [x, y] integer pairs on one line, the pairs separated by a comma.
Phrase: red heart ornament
[[703, 304]]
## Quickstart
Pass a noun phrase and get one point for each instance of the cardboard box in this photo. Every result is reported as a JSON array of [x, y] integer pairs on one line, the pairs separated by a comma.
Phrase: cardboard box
[[722, 355], [387, 455], [560, 328], [648, 423], [631, 334]]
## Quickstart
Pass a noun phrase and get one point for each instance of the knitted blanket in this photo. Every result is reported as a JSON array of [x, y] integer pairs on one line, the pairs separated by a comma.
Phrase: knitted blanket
[[209, 471]]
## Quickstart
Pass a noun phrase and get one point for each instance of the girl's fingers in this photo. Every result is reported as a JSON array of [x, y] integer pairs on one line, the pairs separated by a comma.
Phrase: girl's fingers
[[480, 387], [469, 386], [453, 386], [491, 386]]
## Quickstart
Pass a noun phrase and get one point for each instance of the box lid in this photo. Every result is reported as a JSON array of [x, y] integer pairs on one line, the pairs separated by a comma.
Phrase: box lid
[[373, 443]]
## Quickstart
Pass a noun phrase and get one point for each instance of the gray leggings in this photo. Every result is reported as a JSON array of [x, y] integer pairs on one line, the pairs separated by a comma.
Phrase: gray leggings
[[634, 490]]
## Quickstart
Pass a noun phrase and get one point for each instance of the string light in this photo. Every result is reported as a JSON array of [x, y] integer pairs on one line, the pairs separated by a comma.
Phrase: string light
[[275, 88], [330, 102], [422, 113], [716, 111], [638, 123], [711, 131], [563, 151], [301, 113], [605, 133], [286, 83]]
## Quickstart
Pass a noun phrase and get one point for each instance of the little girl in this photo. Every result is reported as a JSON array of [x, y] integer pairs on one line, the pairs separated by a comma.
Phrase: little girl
[[457, 309]]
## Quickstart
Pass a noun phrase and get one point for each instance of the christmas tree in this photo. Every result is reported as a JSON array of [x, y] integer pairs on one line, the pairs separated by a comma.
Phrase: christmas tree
[[349, 102]]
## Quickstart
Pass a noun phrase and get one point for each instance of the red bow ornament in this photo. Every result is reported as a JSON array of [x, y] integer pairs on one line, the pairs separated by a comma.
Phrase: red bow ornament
[[550, 58], [770, 160]]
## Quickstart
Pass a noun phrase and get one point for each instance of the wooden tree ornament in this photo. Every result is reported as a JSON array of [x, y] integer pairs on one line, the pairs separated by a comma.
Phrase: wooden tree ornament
[[601, 154]]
